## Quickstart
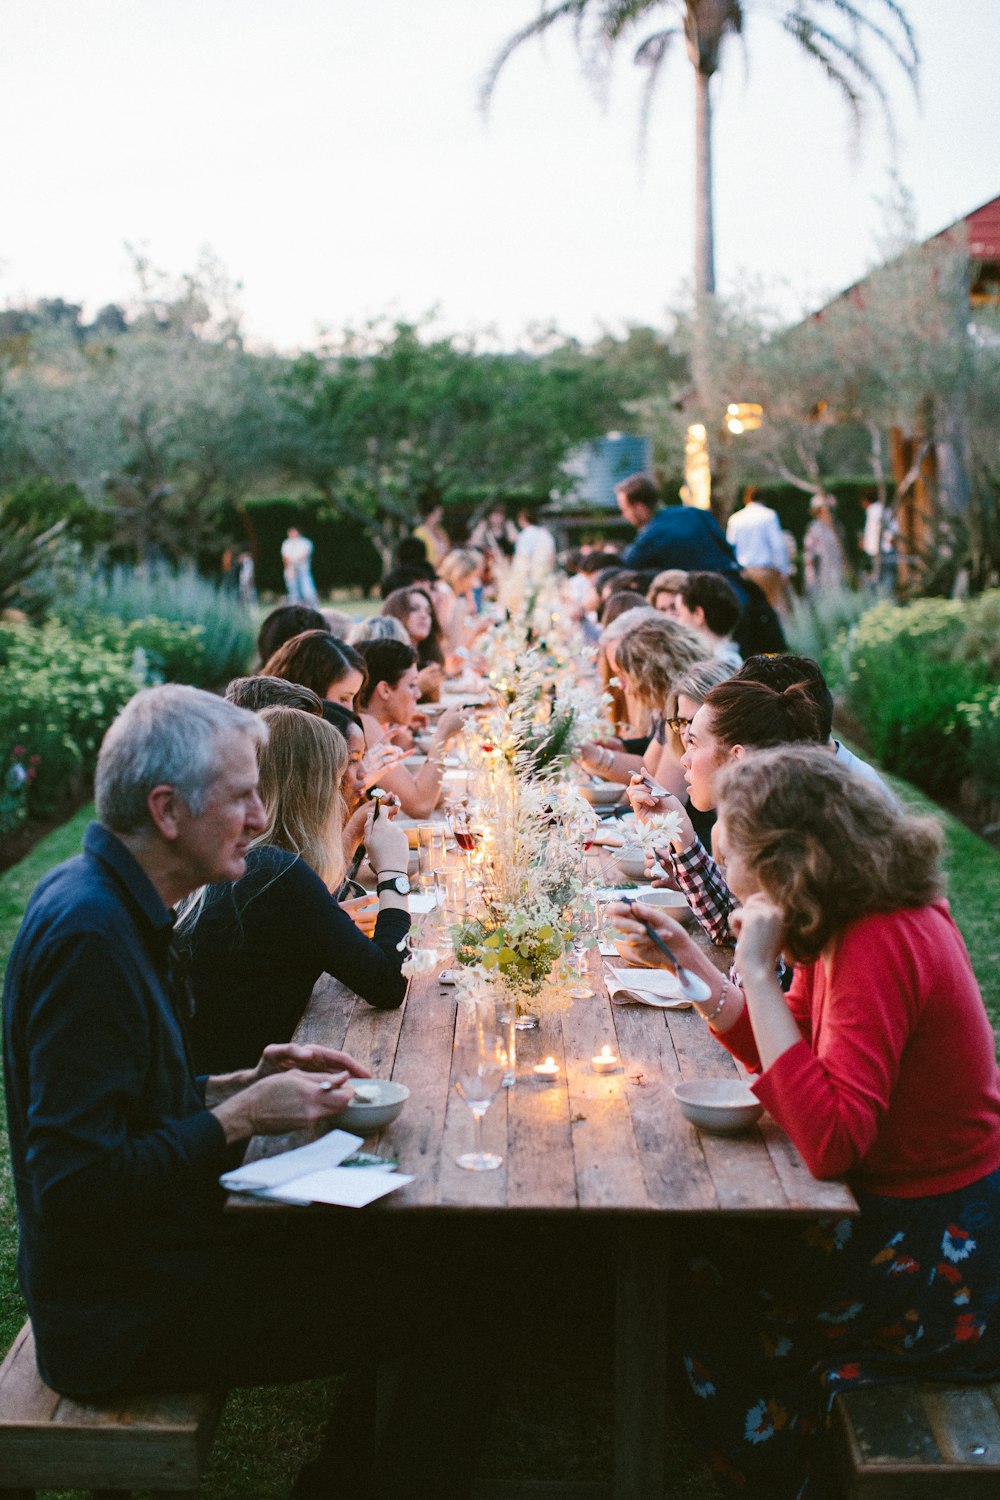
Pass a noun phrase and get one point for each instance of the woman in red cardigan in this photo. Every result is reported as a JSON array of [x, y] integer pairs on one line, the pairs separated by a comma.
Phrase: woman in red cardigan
[[879, 1064]]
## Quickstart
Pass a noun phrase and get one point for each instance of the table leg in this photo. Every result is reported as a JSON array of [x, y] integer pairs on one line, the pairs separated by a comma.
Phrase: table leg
[[642, 1274]]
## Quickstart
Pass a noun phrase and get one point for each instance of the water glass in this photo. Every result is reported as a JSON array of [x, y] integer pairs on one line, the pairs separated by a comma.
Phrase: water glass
[[479, 1067]]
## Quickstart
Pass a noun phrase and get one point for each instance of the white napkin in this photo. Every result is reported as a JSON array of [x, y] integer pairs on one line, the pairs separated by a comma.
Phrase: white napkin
[[422, 902], [656, 987], [313, 1174]]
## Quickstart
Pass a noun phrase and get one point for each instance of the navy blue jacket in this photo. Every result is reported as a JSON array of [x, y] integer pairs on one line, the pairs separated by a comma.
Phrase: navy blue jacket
[[681, 536], [116, 1159]]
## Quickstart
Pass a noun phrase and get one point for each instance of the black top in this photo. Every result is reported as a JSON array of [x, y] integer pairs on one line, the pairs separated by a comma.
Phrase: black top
[[115, 1157], [258, 946]]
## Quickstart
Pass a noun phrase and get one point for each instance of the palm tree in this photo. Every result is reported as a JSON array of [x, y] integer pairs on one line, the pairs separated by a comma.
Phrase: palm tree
[[831, 32]]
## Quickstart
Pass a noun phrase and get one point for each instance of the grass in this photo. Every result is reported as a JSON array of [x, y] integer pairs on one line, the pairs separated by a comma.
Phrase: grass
[[551, 1421]]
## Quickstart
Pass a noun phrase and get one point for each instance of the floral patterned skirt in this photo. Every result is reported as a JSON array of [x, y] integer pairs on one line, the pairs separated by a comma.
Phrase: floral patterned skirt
[[776, 1318]]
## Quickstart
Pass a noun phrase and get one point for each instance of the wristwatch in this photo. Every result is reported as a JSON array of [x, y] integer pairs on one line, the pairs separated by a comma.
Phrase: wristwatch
[[399, 884]]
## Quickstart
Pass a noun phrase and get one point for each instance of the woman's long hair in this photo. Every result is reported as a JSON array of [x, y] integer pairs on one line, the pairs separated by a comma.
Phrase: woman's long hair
[[315, 659], [655, 654], [301, 768], [826, 845], [397, 606]]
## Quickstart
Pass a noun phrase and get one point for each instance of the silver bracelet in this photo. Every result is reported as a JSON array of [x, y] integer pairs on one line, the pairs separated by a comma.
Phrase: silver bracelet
[[713, 1015], [607, 758]]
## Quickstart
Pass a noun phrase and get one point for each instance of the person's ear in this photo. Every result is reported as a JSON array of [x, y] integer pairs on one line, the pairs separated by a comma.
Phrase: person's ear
[[738, 752], [165, 807]]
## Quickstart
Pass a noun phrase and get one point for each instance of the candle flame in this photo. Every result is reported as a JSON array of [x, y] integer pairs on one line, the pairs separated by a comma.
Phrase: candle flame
[[605, 1051]]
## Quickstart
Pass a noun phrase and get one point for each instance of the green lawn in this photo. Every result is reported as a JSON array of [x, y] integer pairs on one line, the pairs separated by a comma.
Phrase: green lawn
[[553, 1422]]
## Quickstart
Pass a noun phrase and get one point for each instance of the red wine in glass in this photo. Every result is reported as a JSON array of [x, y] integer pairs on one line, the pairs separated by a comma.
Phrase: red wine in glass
[[466, 839]]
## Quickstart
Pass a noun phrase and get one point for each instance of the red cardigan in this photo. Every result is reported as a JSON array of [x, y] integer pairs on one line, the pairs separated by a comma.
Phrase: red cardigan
[[895, 1083]]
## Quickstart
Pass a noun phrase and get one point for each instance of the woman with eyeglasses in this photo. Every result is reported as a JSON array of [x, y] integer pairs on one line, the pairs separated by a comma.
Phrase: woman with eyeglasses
[[879, 1064], [258, 945], [736, 719]]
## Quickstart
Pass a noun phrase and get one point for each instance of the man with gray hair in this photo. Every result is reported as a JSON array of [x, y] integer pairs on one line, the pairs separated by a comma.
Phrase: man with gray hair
[[133, 1277]]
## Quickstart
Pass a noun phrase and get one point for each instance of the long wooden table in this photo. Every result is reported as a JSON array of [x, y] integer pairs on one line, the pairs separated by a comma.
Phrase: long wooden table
[[588, 1147]]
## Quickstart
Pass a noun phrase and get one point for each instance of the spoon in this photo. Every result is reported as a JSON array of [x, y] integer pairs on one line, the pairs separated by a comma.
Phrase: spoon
[[693, 987]]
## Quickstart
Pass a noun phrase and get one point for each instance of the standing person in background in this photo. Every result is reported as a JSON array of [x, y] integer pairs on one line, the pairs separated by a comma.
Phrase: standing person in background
[[679, 536], [430, 530], [878, 543], [755, 535], [822, 549], [534, 558], [495, 535], [296, 562]]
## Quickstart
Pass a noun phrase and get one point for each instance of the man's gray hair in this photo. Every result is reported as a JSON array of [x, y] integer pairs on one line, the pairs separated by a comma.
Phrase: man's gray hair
[[165, 736]]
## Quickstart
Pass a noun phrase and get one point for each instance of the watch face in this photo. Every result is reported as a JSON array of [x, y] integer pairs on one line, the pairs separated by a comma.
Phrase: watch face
[[402, 885]]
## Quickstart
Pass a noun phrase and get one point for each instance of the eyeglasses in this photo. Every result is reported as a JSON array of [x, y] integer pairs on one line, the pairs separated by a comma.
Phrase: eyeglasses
[[677, 725]]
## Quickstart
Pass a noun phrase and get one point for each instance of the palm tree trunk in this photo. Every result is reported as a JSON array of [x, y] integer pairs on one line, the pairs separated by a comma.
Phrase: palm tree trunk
[[704, 243]]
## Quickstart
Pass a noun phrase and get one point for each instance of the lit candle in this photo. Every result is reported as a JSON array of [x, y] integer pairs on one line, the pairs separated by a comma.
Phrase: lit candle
[[548, 1071], [605, 1062]]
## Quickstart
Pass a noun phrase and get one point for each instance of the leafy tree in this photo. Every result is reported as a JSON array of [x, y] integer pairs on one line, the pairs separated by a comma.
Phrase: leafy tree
[[390, 416]]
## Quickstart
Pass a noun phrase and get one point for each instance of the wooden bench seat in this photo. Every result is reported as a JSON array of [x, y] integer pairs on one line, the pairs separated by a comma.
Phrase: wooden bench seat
[[905, 1442], [159, 1443]]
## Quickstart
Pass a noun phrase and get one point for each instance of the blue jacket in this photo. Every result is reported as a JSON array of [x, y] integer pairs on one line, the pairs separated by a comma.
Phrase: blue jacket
[[681, 536], [116, 1159]]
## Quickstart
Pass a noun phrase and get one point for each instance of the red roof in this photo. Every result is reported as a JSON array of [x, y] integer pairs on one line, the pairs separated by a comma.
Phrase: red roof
[[983, 229]]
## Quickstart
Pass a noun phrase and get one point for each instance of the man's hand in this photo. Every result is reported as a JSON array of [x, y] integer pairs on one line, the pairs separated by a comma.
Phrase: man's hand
[[286, 1100], [282, 1057]]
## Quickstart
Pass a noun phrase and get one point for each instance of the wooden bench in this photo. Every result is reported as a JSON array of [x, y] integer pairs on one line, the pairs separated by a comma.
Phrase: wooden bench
[[905, 1442], [159, 1443]]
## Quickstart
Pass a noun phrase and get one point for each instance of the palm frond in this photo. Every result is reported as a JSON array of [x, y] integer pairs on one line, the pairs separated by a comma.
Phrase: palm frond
[[651, 55], [620, 16], [844, 66], [538, 27], [866, 25]]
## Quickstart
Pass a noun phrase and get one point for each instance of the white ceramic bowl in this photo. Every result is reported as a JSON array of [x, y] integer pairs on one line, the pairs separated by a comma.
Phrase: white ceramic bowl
[[631, 861], [365, 1118], [602, 793], [673, 902], [722, 1106]]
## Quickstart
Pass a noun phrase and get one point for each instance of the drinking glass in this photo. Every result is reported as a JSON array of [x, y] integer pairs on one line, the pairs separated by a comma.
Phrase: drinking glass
[[585, 923], [480, 1064]]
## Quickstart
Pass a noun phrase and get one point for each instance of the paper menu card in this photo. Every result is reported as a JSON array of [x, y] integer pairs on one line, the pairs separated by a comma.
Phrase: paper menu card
[[313, 1174]]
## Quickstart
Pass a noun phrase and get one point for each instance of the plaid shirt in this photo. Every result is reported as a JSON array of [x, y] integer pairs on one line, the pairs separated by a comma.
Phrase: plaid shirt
[[702, 882], [710, 898]]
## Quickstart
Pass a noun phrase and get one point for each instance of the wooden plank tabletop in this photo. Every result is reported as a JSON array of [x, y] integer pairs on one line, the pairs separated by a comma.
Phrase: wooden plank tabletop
[[613, 1143]]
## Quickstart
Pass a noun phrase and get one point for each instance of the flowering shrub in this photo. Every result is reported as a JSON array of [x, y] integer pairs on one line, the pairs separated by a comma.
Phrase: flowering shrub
[[903, 671], [979, 718], [57, 696]]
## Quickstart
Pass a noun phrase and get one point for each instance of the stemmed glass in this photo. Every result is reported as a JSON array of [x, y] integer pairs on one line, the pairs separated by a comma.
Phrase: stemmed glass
[[480, 1063], [581, 989]]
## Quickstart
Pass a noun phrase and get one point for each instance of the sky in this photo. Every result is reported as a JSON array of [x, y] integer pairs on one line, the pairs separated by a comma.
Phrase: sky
[[332, 155]]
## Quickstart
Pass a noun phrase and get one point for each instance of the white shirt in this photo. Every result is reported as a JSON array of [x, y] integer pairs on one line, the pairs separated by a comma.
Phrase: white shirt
[[880, 529], [755, 532], [535, 553]]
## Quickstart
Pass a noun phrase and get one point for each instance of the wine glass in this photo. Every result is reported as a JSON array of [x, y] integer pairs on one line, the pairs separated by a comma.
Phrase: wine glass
[[480, 1064], [581, 989]]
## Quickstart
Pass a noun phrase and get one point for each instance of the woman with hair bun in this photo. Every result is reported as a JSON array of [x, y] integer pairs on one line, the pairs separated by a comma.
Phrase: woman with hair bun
[[736, 719], [879, 1064]]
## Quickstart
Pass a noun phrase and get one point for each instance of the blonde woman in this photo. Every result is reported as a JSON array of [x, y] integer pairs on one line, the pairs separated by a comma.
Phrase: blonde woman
[[648, 660], [258, 946], [879, 1064]]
